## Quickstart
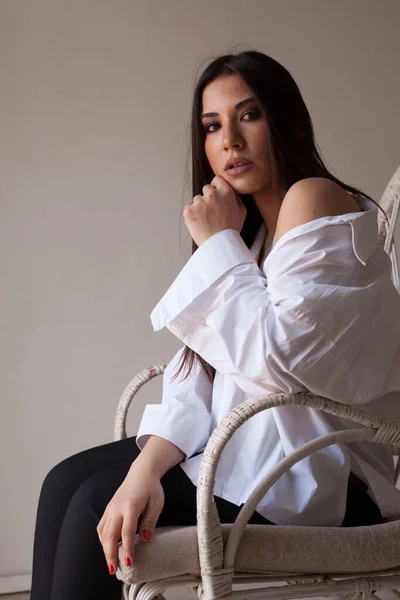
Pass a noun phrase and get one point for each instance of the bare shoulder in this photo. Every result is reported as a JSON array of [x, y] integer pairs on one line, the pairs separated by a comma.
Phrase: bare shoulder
[[310, 199]]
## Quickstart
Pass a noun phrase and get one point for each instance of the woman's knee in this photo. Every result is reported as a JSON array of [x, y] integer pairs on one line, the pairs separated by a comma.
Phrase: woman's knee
[[96, 491], [63, 479], [61, 473], [66, 477]]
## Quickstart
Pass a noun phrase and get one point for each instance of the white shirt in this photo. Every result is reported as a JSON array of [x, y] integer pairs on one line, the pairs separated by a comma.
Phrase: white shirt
[[322, 315]]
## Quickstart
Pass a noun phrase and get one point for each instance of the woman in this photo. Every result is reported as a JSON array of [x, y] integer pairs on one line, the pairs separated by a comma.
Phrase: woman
[[280, 295]]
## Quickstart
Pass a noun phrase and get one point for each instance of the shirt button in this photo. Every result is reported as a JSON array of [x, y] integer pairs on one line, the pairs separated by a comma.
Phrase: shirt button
[[176, 326]]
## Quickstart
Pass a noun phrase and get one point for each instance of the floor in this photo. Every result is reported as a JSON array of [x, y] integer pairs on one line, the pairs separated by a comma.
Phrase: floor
[[173, 595], [177, 594], [182, 594]]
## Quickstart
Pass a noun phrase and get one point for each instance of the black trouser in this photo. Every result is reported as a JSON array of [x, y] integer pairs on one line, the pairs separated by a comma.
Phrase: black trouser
[[68, 559]]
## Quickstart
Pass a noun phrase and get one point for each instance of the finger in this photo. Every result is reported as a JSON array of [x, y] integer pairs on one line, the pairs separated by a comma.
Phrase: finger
[[100, 530], [208, 190], [219, 182], [103, 519], [129, 529], [99, 534], [110, 537], [150, 518]]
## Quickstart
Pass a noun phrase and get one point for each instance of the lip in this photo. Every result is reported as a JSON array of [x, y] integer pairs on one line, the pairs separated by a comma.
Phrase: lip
[[235, 160], [239, 170]]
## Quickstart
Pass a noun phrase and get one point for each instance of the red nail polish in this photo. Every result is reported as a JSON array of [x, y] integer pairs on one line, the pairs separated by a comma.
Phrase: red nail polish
[[111, 569], [128, 561], [146, 534]]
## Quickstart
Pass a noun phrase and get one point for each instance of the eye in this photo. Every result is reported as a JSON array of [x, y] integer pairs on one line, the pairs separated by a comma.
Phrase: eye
[[253, 113]]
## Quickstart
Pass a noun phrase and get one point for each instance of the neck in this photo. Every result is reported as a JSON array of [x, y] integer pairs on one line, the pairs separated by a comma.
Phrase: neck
[[269, 203]]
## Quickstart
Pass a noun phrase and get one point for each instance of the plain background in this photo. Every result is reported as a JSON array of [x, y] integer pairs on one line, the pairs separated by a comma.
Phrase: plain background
[[95, 101]]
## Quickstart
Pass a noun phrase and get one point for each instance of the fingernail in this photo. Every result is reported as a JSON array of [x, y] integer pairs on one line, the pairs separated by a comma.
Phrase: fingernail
[[146, 534], [128, 561], [111, 569]]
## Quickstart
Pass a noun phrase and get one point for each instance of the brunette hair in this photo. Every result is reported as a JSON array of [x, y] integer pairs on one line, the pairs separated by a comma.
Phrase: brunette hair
[[292, 147]]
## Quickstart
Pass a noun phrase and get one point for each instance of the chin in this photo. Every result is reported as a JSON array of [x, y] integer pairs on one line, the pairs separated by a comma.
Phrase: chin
[[245, 188]]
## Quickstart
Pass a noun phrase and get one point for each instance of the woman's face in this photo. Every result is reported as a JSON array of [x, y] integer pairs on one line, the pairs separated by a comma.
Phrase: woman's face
[[235, 132]]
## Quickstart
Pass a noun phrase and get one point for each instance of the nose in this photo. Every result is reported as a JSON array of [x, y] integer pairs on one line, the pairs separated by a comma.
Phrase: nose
[[232, 138]]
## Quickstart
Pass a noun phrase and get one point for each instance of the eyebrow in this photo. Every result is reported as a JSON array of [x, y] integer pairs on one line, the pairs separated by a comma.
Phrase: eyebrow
[[240, 104]]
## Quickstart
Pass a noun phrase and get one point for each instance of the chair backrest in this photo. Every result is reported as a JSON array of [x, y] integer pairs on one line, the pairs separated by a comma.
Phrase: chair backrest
[[390, 202]]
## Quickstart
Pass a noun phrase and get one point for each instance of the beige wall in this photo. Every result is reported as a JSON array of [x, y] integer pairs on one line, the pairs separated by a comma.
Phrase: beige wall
[[94, 116]]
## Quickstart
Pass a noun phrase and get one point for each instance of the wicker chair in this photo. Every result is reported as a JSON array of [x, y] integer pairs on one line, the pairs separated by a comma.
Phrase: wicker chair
[[211, 558]]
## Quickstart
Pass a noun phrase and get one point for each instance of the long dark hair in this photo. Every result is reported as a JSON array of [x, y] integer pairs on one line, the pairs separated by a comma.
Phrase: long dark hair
[[292, 148]]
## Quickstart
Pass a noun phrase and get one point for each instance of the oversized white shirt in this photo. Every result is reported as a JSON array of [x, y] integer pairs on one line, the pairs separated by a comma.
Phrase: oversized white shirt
[[322, 316]]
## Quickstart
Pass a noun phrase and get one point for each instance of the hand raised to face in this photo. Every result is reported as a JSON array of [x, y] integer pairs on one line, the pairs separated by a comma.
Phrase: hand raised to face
[[219, 208]]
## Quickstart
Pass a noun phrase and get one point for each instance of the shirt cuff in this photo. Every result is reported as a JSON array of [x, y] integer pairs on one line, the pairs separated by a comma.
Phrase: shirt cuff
[[217, 255], [180, 427]]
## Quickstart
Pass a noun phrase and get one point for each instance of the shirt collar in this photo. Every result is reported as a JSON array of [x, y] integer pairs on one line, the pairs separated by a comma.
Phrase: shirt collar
[[364, 227]]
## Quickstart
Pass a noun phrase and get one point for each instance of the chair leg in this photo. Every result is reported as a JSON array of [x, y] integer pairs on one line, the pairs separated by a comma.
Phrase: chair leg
[[129, 591], [140, 591], [153, 590], [147, 591]]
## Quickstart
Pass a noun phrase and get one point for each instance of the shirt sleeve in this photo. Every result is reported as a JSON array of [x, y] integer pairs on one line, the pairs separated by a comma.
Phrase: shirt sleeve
[[313, 323], [184, 416]]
